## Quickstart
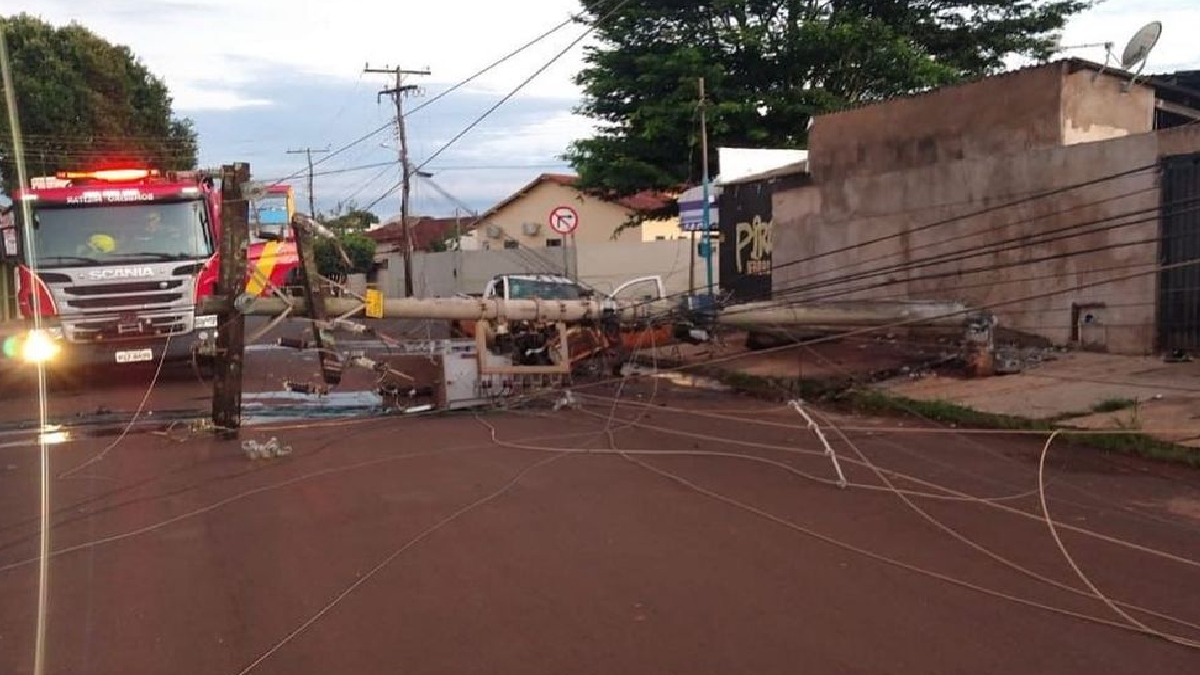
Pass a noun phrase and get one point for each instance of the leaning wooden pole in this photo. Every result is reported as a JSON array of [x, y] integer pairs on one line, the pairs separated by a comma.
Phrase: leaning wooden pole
[[316, 298], [231, 281]]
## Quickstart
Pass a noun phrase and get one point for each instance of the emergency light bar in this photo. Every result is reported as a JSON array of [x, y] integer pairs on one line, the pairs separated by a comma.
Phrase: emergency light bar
[[113, 175]]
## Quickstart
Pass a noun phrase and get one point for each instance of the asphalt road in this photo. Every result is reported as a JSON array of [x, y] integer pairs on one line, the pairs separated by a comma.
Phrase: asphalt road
[[427, 545], [112, 393]]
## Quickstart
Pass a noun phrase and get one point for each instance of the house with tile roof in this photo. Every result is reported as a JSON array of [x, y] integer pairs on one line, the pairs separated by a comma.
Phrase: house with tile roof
[[528, 218]]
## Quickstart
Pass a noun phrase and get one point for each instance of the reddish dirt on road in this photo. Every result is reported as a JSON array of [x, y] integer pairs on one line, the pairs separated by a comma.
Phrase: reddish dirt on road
[[421, 545]]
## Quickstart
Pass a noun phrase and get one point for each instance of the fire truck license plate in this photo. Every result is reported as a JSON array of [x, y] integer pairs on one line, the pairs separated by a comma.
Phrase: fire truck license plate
[[135, 355]]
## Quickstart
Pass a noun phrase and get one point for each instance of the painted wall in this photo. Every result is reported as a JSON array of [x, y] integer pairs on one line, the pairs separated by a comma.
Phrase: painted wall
[[598, 219], [658, 230], [995, 115], [603, 266], [1051, 105], [958, 209], [1179, 140], [746, 243], [1096, 108]]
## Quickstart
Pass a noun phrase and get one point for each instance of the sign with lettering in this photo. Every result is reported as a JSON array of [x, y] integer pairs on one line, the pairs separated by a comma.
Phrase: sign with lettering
[[746, 241], [113, 195]]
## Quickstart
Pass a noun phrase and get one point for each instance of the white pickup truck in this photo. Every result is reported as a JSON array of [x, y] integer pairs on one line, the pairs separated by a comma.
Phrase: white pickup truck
[[558, 287]]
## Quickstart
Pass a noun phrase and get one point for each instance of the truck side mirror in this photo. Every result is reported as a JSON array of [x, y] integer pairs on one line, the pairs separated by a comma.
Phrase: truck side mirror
[[8, 236]]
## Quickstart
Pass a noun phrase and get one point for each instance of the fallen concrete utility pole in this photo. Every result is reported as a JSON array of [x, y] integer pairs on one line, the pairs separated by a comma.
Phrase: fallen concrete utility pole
[[978, 326], [850, 314], [459, 308], [748, 315]]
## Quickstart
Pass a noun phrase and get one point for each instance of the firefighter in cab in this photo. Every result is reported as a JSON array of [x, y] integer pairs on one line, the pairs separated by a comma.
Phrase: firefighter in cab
[[100, 244], [151, 235]]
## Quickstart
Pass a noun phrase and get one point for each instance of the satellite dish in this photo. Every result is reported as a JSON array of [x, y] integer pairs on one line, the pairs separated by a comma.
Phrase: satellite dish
[[1139, 46]]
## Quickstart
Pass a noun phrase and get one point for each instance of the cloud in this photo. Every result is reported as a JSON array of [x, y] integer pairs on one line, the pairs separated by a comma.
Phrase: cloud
[[179, 39], [192, 99], [263, 77], [523, 138], [1116, 21]]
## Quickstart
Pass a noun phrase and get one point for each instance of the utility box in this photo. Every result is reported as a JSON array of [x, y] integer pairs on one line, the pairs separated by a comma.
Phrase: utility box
[[450, 369]]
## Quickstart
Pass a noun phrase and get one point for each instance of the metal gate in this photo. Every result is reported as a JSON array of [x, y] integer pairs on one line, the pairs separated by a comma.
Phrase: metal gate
[[1179, 288]]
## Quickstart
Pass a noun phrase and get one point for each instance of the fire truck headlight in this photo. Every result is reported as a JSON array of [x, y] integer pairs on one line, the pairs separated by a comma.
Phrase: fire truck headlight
[[209, 321], [39, 347]]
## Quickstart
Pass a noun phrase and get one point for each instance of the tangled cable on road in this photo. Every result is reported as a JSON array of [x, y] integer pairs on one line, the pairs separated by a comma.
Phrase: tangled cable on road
[[635, 456], [391, 557], [971, 543], [132, 420], [1117, 607], [920, 481]]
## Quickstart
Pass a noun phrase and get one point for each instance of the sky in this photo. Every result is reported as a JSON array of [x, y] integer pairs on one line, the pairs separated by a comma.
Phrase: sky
[[263, 77]]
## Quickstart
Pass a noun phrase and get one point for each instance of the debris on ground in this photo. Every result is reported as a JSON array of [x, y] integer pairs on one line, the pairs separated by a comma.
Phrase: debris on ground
[[566, 401], [272, 448], [1177, 356], [310, 388]]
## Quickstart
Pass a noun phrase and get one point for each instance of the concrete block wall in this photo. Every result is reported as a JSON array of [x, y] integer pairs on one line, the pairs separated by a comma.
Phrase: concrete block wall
[[603, 266], [899, 206]]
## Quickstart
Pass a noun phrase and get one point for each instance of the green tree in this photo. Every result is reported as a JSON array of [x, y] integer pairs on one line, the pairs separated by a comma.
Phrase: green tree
[[84, 102], [359, 248], [348, 217], [769, 66]]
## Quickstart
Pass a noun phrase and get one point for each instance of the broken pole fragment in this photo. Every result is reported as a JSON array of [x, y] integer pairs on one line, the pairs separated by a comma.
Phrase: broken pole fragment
[[315, 298], [230, 357]]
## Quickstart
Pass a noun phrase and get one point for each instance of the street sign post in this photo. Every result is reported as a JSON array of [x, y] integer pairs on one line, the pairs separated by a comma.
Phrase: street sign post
[[564, 220]]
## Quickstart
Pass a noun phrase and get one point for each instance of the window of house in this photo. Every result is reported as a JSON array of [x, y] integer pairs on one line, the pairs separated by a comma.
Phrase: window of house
[[511, 244], [551, 243]]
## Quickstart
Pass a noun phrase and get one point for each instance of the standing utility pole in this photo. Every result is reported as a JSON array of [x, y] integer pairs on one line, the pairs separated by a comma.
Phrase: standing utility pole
[[708, 252], [692, 265], [231, 281], [397, 93], [457, 249], [312, 202]]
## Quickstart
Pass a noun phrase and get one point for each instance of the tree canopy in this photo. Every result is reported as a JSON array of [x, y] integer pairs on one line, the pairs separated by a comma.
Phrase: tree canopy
[[349, 217], [359, 248], [769, 66], [84, 103]]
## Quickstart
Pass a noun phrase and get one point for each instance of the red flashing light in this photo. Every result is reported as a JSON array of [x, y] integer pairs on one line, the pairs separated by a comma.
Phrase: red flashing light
[[111, 175]]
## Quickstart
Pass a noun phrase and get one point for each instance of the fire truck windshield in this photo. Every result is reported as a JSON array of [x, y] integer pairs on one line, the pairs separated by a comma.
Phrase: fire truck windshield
[[76, 236]]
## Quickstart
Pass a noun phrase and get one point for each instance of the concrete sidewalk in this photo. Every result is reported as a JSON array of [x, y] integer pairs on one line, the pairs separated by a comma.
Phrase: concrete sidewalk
[[862, 358], [1136, 393], [1158, 398]]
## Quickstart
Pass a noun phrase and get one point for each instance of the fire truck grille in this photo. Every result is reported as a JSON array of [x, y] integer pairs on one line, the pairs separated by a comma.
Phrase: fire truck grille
[[125, 310], [117, 302], [132, 287]]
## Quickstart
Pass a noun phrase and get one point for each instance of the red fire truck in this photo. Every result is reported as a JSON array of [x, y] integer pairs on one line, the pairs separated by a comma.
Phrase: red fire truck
[[119, 259]]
